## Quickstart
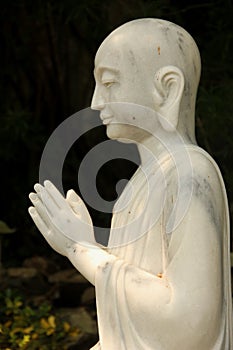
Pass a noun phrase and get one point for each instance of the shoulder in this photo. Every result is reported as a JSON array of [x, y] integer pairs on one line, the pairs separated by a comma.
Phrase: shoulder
[[205, 173], [202, 160], [192, 166], [195, 184]]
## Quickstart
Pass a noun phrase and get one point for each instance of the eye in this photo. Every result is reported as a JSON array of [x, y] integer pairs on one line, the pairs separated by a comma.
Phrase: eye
[[108, 84]]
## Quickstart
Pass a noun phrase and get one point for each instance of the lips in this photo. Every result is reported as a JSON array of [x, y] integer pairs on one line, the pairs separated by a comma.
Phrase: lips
[[106, 119]]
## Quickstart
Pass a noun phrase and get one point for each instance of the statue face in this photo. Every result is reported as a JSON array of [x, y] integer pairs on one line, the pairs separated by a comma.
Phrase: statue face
[[128, 70], [120, 80]]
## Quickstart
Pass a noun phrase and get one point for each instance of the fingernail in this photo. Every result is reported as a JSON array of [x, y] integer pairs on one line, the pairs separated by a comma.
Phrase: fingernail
[[37, 187], [33, 196], [47, 183], [32, 210], [74, 197]]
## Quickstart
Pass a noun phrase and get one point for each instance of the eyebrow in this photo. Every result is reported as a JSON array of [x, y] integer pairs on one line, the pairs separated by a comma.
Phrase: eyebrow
[[100, 70]]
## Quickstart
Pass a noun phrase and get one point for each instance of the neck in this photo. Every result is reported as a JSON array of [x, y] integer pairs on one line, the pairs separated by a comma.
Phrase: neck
[[154, 147], [149, 150]]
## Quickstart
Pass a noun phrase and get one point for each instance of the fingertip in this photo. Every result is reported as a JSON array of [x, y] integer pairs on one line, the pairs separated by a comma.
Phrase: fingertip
[[72, 196], [32, 196], [69, 194], [31, 211], [71, 191], [37, 187], [47, 183]]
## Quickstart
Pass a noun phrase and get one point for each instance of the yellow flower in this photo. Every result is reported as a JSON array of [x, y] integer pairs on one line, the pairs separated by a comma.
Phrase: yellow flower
[[50, 331], [34, 336], [28, 330], [15, 330], [51, 321], [44, 324], [24, 341], [66, 326], [74, 333], [49, 325], [18, 304]]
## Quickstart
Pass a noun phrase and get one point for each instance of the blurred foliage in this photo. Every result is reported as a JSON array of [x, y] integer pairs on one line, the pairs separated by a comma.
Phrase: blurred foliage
[[47, 53], [26, 327]]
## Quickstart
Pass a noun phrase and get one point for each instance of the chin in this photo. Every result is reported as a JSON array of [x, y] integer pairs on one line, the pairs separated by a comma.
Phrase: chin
[[119, 133]]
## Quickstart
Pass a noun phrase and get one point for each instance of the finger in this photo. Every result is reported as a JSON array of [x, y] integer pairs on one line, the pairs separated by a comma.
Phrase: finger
[[55, 194], [38, 188], [46, 199], [33, 198], [43, 228], [41, 209], [49, 202], [40, 223]]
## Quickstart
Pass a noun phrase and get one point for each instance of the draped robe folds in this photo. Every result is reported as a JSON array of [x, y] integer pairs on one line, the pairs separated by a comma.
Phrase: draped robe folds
[[138, 305]]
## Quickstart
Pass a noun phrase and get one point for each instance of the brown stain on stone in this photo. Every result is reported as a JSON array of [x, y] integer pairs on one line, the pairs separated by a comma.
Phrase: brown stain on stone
[[158, 50]]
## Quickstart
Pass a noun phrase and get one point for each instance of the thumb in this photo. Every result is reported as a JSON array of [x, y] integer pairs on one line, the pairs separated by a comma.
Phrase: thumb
[[72, 196], [74, 201], [78, 206]]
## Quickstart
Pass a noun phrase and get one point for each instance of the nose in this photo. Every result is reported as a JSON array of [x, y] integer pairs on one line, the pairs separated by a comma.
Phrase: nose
[[97, 102]]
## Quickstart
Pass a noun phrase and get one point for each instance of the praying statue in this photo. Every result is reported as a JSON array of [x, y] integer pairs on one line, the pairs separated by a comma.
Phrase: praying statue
[[163, 280]]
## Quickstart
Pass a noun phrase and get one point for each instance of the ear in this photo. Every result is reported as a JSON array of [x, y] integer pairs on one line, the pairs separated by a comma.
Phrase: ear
[[169, 88]]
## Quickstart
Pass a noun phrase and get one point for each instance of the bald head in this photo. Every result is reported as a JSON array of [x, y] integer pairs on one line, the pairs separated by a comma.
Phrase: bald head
[[153, 43], [141, 48]]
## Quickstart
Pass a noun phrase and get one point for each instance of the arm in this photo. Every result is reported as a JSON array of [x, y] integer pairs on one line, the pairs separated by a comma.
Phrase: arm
[[183, 309]]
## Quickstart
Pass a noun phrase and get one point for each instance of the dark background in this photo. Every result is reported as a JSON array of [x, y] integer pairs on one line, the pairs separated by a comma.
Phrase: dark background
[[47, 50]]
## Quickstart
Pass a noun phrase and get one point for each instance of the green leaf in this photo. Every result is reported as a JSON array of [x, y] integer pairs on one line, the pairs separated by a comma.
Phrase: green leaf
[[4, 228]]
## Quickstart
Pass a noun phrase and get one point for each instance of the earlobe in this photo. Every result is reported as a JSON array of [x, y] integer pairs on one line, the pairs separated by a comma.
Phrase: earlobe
[[169, 87]]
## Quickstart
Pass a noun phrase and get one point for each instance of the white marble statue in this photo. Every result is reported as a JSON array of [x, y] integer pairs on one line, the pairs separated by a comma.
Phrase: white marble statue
[[163, 282]]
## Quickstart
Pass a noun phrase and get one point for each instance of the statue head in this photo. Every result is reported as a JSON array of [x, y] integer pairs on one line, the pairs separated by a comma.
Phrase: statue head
[[152, 63]]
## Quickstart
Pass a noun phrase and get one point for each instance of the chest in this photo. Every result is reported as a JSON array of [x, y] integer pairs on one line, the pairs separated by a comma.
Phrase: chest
[[137, 230]]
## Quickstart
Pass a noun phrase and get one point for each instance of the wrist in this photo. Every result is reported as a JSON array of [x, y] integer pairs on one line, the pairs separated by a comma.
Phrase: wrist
[[87, 258]]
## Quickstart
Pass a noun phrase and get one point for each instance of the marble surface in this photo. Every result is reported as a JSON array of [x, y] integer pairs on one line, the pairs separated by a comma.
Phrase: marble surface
[[163, 282]]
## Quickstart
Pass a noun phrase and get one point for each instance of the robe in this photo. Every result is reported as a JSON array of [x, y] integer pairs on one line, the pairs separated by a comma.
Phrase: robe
[[169, 287]]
